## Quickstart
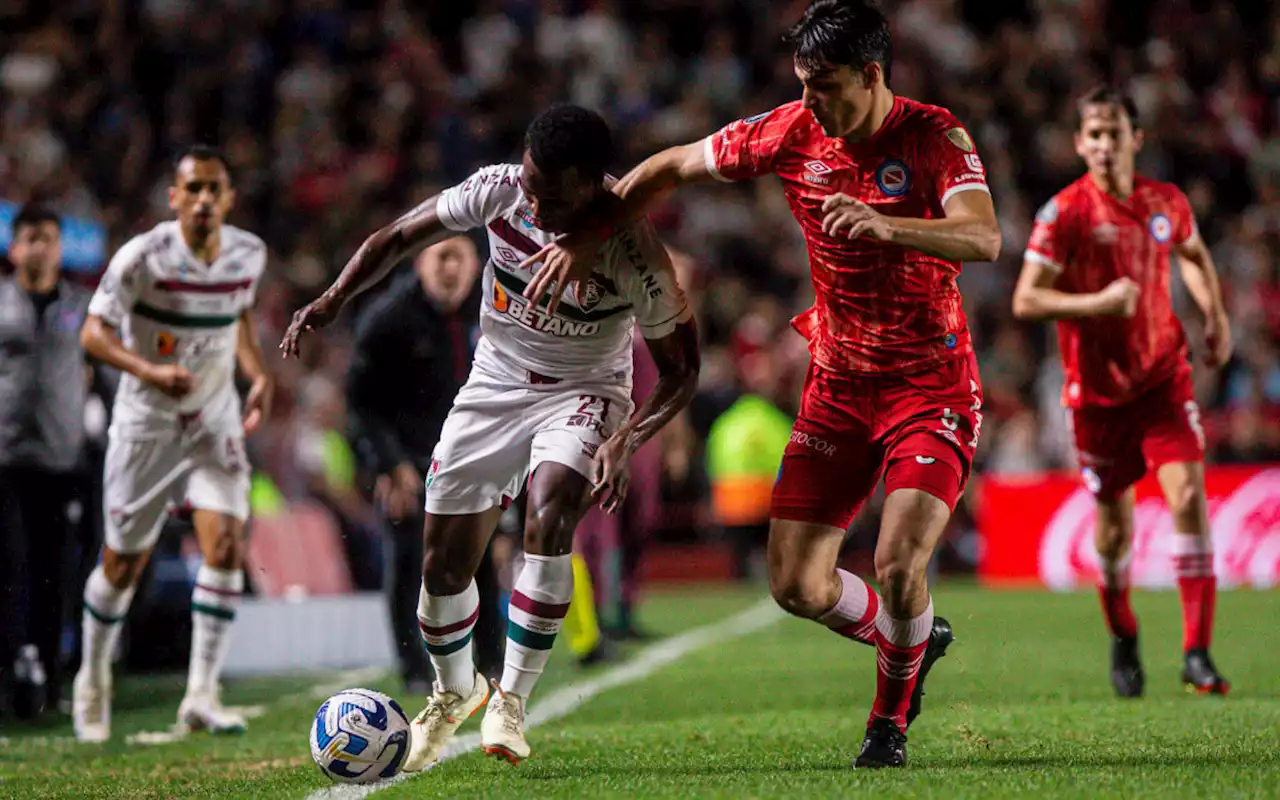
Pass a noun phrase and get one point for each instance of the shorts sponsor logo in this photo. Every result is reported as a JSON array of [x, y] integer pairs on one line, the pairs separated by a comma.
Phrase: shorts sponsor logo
[[814, 443], [1161, 228], [431, 473], [925, 460], [893, 177], [589, 449], [1092, 481]]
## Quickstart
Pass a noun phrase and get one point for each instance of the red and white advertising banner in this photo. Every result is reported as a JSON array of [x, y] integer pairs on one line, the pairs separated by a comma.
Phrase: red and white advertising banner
[[1040, 530]]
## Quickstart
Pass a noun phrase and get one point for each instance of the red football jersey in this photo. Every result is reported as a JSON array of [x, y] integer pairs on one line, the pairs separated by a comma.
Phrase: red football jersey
[[1090, 239], [880, 307]]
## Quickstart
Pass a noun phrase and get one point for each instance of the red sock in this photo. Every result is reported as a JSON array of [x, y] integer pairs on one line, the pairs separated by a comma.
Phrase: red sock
[[1193, 564], [1117, 611], [854, 614], [900, 646]]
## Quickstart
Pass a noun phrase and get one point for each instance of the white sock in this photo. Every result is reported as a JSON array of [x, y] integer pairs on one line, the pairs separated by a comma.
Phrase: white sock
[[213, 609], [854, 614], [446, 622], [539, 601], [105, 607], [906, 632], [1192, 555]]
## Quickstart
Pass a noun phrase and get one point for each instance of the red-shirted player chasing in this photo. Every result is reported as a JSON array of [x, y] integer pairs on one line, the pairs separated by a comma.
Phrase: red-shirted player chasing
[[891, 197], [1098, 262]]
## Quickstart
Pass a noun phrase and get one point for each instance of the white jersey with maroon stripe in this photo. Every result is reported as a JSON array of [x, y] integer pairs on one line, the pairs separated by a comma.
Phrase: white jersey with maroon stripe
[[172, 308], [632, 284]]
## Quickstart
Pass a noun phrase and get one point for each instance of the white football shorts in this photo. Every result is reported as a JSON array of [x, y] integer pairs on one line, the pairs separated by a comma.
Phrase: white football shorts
[[502, 426], [145, 478]]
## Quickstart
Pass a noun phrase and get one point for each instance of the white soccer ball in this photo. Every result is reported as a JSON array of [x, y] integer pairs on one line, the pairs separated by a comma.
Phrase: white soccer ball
[[359, 736]]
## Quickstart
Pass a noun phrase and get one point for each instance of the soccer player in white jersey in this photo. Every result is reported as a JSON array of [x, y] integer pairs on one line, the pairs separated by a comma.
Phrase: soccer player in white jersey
[[547, 403], [173, 313]]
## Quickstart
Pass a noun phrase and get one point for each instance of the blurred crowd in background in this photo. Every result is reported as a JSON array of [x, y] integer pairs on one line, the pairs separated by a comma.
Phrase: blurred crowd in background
[[336, 116]]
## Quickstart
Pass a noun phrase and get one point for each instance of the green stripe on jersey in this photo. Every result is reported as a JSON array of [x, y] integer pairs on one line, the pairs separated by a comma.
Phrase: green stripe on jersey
[[528, 638], [181, 320]]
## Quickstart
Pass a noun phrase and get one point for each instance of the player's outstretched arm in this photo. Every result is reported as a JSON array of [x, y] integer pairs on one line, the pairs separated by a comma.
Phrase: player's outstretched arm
[[1035, 299], [253, 363], [968, 232], [678, 360], [100, 340], [1201, 276], [370, 264], [567, 261]]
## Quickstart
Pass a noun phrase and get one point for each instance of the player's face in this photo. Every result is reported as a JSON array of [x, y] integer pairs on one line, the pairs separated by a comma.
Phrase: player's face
[[201, 194], [838, 97], [36, 249], [556, 201], [448, 271], [1106, 140]]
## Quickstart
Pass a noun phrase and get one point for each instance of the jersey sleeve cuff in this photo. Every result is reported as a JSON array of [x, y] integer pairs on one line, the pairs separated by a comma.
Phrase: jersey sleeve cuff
[[445, 216], [667, 327], [972, 186], [709, 155], [1042, 260]]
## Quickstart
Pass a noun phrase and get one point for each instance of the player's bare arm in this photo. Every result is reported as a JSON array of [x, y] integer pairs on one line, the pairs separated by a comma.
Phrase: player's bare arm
[[253, 363], [678, 361], [1035, 298], [101, 341], [968, 232], [370, 264], [568, 260], [1201, 276]]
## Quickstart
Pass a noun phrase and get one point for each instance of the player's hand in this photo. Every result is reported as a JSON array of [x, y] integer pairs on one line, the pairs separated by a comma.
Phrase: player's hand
[[174, 380], [1217, 340], [257, 405], [316, 314], [1120, 298], [399, 491], [611, 469], [566, 263], [852, 218]]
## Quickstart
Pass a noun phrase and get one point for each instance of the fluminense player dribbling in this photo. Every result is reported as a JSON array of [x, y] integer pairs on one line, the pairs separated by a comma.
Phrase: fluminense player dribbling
[[548, 403]]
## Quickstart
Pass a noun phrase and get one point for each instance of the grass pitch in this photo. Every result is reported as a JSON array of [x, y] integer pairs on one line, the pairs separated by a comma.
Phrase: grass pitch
[[1020, 708]]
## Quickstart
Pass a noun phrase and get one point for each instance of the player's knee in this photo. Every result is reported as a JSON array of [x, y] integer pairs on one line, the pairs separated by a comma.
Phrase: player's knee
[[798, 596], [548, 527], [441, 575], [123, 570], [900, 576], [224, 548], [1188, 507]]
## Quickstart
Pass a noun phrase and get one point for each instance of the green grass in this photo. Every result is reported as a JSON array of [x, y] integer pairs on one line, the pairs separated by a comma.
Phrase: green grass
[[1020, 708]]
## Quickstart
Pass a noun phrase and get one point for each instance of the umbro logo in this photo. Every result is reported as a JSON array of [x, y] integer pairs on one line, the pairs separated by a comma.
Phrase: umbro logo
[[506, 254], [816, 172]]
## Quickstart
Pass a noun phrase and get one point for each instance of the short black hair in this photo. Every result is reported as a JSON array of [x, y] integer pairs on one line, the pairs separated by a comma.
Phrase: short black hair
[[35, 214], [202, 152], [851, 33], [567, 136], [1107, 95]]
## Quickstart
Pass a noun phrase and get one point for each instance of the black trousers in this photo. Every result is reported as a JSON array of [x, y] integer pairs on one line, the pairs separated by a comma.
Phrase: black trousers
[[36, 565], [403, 584]]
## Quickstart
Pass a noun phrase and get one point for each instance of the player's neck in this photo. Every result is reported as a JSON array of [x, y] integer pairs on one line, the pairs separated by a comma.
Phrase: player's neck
[[36, 281], [1119, 184], [205, 247], [881, 107]]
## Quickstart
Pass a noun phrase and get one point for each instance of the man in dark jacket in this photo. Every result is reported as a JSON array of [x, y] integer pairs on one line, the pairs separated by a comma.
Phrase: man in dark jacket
[[413, 350], [43, 385]]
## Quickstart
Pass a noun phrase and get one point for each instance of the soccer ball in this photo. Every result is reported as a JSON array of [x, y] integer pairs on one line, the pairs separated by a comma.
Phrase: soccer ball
[[359, 736]]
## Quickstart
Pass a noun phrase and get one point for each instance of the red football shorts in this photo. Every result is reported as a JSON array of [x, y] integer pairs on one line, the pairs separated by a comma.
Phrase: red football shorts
[[919, 431], [1116, 445]]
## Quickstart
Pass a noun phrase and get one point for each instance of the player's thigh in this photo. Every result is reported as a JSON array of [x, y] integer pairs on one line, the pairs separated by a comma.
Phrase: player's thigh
[[1182, 483], [1113, 530], [142, 478], [483, 452], [1173, 446], [1108, 443]]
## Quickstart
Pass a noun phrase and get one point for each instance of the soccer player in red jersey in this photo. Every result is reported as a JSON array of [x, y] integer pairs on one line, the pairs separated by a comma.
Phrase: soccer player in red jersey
[[892, 197], [1098, 263]]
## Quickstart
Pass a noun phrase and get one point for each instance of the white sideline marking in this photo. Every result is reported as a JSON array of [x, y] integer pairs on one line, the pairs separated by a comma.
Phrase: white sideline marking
[[342, 680], [569, 698]]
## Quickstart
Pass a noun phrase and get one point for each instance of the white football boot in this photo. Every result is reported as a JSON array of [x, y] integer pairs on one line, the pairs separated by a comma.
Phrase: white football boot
[[502, 729], [203, 711], [436, 724], [91, 708]]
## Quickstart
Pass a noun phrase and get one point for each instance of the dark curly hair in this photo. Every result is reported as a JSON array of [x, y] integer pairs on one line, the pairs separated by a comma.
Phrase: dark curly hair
[[567, 136], [851, 33]]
